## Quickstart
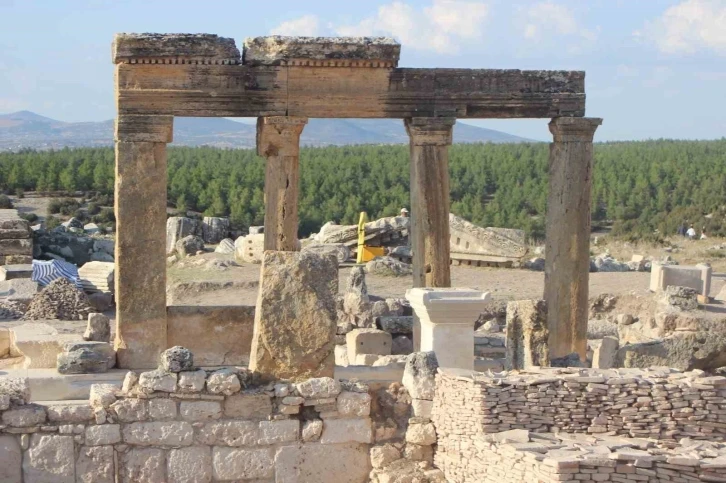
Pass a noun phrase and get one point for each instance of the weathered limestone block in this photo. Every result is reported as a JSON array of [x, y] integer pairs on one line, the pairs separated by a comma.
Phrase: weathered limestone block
[[200, 410], [319, 388], [237, 464], [163, 433], [24, 416], [384, 455], [191, 381], [162, 409], [49, 459], [225, 246], [17, 388], [322, 463], [214, 229], [102, 395], [422, 408], [312, 430], [421, 433], [603, 356], [223, 381], [353, 404], [283, 431], [176, 359], [368, 341], [527, 334], [190, 465], [358, 430], [419, 375], [158, 380], [69, 413], [228, 433], [250, 248], [295, 318], [130, 410], [143, 465], [202, 48], [95, 465], [4, 402], [103, 434], [11, 459], [98, 329], [279, 50], [84, 361], [178, 227], [248, 406], [189, 246], [679, 298]]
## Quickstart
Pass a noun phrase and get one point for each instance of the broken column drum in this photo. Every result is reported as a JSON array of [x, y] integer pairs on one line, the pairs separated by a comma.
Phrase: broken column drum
[[283, 81]]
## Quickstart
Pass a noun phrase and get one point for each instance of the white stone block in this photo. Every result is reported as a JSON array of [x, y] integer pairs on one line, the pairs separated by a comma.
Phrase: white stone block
[[223, 381], [102, 395], [130, 410], [191, 381], [24, 416], [312, 430], [229, 433], [95, 465], [49, 459], [103, 434], [248, 406], [318, 388], [69, 413], [354, 404], [190, 465], [11, 459], [162, 409], [322, 463], [161, 433], [446, 317], [347, 431], [143, 465], [422, 408], [421, 433], [238, 464], [697, 277], [200, 410], [157, 381], [283, 431], [368, 341]]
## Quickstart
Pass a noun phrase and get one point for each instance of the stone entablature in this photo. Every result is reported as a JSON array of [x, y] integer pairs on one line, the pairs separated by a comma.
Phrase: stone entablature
[[208, 426], [150, 48]]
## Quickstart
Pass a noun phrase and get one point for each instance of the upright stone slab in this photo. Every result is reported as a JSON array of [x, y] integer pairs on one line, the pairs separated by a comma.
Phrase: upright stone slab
[[141, 239], [295, 318], [527, 334], [567, 266]]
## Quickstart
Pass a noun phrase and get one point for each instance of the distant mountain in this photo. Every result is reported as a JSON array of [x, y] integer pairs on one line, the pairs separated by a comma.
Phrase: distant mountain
[[25, 129]]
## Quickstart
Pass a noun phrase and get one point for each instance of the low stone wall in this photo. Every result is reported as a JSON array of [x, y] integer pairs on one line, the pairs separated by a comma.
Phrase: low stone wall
[[548, 458], [190, 426], [216, 335], [474, 414], [662, 404]]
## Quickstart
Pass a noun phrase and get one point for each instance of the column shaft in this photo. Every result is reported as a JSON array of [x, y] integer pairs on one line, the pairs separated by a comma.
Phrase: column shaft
[[140, 206], [567, 265], [429, 144], [278, 140]]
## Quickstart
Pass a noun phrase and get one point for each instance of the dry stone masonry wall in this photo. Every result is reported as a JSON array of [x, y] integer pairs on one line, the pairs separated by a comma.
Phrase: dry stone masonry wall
[[580, 424]]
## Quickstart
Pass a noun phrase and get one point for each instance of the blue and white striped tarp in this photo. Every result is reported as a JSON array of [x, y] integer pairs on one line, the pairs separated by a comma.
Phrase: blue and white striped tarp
[[45, 272]]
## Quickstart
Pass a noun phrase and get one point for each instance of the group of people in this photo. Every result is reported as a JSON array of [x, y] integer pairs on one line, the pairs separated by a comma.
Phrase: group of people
[[690, 232]]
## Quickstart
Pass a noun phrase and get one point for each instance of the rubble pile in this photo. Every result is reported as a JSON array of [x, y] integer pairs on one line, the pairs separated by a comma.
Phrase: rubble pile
[[60, 300], [10, 310]]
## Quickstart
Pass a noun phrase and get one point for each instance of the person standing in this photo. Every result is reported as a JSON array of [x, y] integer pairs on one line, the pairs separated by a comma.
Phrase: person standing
[[691, 233]]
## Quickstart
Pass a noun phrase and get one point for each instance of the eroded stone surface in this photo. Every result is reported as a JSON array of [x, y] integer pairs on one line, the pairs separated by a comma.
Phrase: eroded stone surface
[[103, 434], [17, 388], [295, 318], [234, 464], [419, 374], [49, 459], [98, 328], [319, 388], [527, 334], [276, 50], [128, 46], [200, 410], [176, 359], [143, 465], [24, 416], [191, 381], [158, 380], [10, 460], [95, 465], [347, 431], [229, 433], [248, 406], [322, 463], [167, 433], [223, 381], [190, 465]]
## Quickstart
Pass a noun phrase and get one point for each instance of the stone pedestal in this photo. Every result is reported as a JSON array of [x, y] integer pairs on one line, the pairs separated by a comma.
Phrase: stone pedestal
[[567, 265], [140, 273], [278, 140], [447, 318], [697, 277]]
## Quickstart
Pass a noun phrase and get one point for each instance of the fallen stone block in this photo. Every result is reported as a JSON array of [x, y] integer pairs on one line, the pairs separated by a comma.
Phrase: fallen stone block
[[39, 344], [603, 356], [98, 328], [81, 361], [419, 375]]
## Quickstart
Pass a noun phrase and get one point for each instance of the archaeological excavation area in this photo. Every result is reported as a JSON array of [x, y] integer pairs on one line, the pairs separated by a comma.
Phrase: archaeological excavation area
[[323, 381]]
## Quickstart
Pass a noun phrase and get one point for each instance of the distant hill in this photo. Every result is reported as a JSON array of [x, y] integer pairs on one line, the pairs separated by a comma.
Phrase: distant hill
[[25, 129]]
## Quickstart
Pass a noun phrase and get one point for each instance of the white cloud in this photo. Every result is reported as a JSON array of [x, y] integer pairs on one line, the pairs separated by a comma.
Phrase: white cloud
[[623, 70], [441, 27], [307, 25], [690, 26], [549, 19]]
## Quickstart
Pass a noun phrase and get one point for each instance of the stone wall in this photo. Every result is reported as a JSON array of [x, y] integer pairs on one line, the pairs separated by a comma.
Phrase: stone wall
[[502, 427], [191, 426]]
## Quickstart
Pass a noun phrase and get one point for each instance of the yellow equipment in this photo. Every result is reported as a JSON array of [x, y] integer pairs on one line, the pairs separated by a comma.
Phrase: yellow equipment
[[365, 253]]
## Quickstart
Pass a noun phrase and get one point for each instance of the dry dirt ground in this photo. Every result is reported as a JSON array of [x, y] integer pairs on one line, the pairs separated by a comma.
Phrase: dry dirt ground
[[201, 280]]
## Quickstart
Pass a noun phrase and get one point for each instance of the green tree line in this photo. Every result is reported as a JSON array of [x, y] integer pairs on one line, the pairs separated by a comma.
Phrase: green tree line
[[641, 188]]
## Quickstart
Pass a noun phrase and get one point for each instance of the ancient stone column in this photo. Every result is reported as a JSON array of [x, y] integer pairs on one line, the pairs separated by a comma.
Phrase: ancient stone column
[[429, 143], [278, 140], [140, 277], [567, 265]]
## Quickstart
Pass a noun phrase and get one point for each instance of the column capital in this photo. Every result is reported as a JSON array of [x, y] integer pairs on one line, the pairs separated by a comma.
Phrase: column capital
[[141, 128], [430, 131], [279, 135], [574, 129]]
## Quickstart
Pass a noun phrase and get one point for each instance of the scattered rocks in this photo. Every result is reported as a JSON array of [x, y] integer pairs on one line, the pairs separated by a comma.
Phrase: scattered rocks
[[176, 359], [606, 263], [98, 328], [189, 245], [389, 267], [60, 300], [599, 328]]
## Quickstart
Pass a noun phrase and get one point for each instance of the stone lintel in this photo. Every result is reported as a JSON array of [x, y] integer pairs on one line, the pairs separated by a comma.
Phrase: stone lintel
[[152, 129], [322, 51], [574, 129], [430, 131], [279, 135], [151, 48]]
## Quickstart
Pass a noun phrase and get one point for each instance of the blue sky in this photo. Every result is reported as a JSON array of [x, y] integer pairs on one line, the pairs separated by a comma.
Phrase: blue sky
[[655, 68]]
